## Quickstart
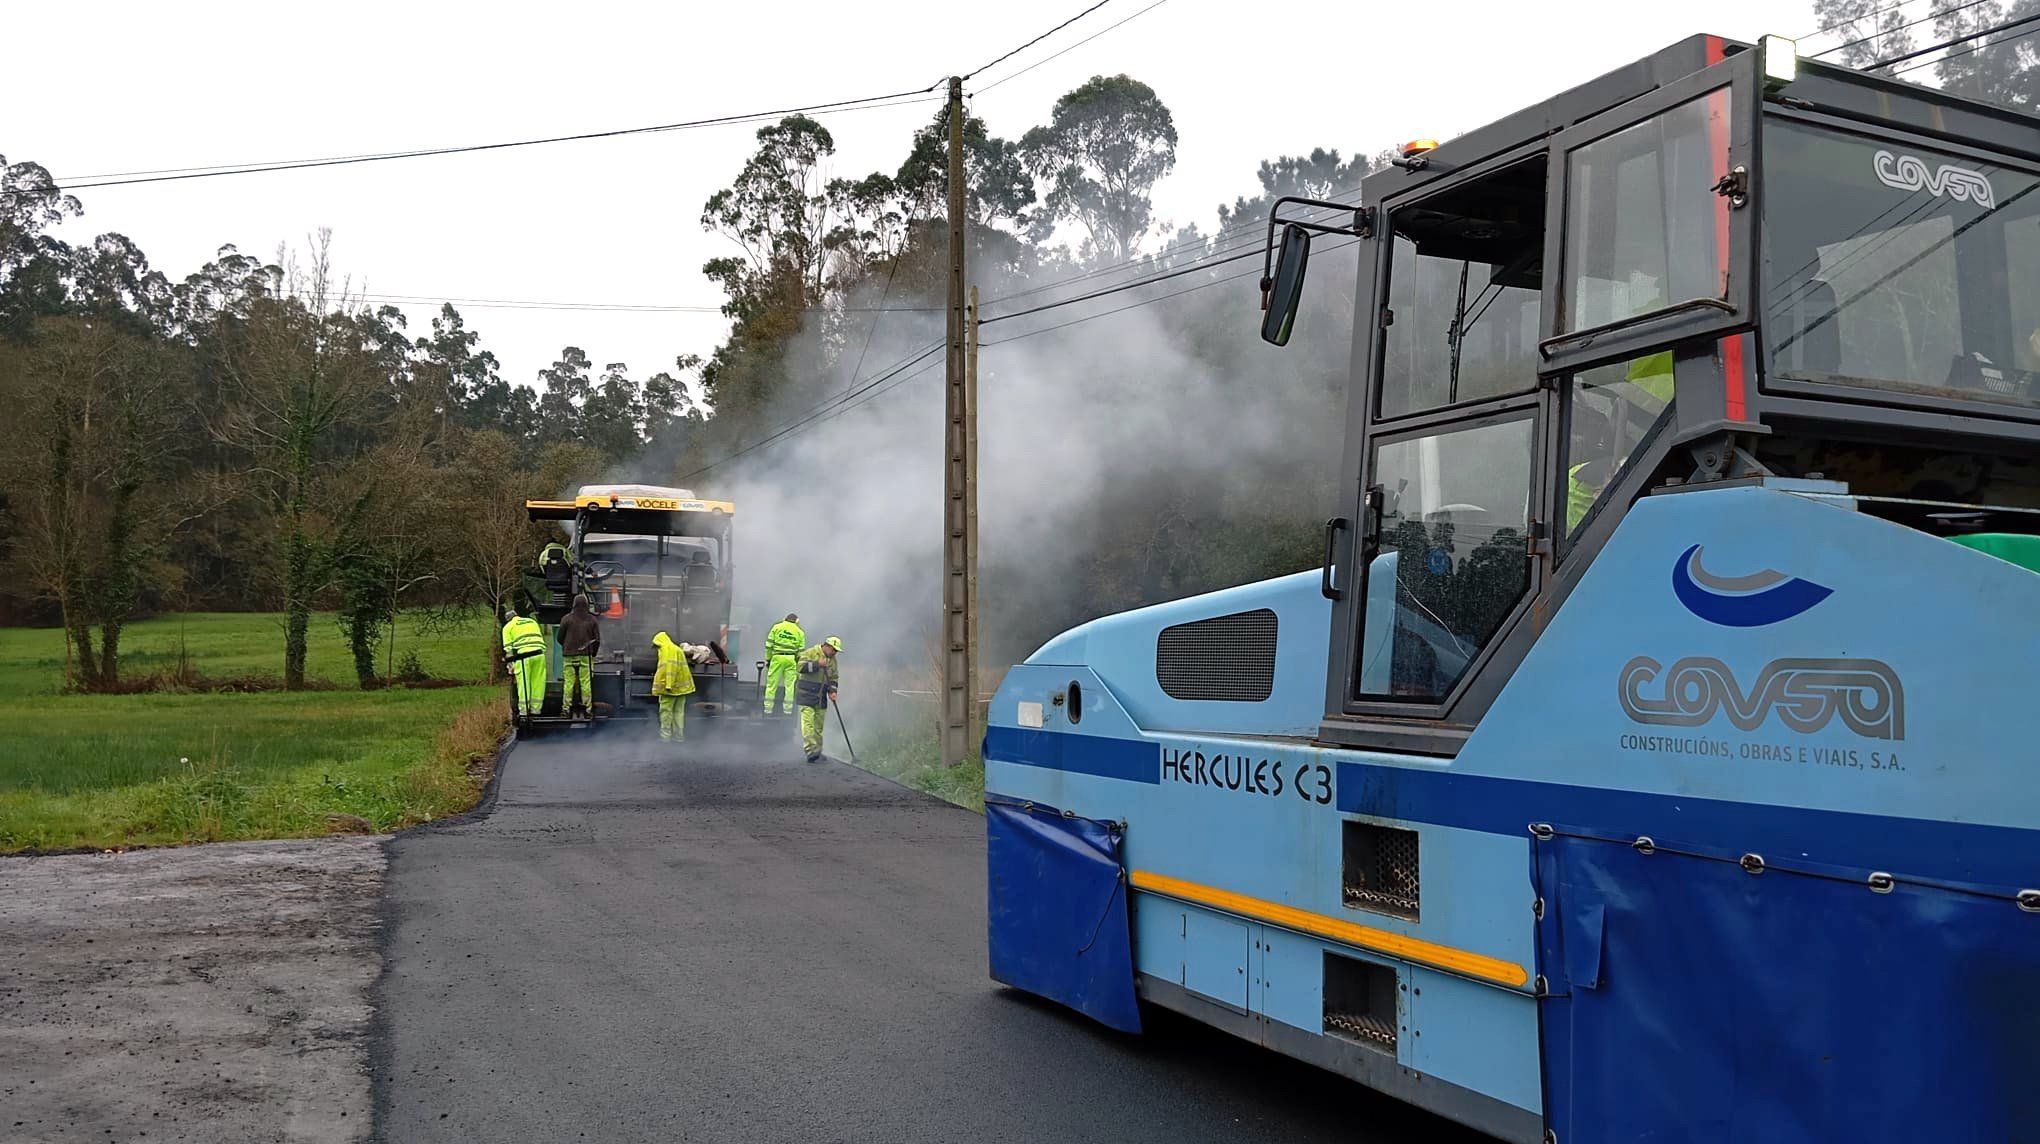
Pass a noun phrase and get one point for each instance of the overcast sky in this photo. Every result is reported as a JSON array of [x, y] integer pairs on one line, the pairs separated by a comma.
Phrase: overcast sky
[[96, 88]]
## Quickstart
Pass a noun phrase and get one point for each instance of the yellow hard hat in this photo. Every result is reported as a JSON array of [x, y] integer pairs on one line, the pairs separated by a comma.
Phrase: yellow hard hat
[[835, 642]]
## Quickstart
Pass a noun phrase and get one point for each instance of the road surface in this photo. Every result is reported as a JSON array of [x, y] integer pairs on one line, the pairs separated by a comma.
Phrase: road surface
[[634, 947]]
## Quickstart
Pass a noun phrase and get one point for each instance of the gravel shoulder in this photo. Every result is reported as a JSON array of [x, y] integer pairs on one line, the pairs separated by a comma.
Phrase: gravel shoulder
[[204, 993]]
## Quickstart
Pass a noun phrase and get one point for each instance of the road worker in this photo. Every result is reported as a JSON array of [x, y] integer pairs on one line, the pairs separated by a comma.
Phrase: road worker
[[672, 683], [814, 687], [524, 655], [783, 646], [1584, 480], [580, 640]]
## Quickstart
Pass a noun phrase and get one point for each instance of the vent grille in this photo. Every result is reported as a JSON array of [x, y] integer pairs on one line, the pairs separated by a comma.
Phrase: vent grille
[[1360, 1002], [1381, 869], [1229, 658]]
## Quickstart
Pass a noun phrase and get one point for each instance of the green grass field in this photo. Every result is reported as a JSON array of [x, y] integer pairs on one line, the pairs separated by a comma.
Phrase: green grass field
[[113, 770]]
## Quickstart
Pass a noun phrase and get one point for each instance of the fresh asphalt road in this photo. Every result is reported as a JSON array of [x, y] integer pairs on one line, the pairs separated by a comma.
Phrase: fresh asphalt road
[[722, 946]]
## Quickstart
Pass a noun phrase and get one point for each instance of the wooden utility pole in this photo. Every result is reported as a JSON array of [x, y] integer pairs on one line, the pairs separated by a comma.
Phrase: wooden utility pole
[[959, 483], [970, 511]]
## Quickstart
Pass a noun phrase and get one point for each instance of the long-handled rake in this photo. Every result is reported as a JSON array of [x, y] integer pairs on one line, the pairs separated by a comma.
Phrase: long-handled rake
[[844, 727]]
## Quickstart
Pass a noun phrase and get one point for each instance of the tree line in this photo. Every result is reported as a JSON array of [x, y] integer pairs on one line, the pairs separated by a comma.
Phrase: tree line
[[255, 435]]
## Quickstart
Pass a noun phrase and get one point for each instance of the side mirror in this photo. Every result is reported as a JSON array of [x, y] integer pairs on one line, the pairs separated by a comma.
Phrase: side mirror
[[1282, 292]]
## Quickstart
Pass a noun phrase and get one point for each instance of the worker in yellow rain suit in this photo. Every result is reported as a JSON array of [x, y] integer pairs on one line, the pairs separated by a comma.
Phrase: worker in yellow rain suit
[[812, 690], [524, 655], [672, 683], [783, 646], [1585, 480]]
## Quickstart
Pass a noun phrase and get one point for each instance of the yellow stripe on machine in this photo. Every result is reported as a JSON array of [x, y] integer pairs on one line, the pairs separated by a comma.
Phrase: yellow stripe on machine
[[564, 510], [1338, 929], [669, 504]]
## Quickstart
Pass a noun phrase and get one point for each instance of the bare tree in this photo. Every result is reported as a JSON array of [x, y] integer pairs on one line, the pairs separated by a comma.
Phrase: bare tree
[[496, 541], [298, 372], [92, 447]]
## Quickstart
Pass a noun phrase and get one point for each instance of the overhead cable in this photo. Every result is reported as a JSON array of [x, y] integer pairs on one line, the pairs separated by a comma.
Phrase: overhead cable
[[893, 99], [1930, 49], [1038, 39], [1071, 48]]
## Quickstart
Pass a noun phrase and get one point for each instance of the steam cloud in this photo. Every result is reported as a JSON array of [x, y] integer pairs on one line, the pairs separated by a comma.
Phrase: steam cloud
[[1096, 441]]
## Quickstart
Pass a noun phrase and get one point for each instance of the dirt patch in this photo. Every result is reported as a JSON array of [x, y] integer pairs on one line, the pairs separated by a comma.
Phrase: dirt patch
[[204, 993]]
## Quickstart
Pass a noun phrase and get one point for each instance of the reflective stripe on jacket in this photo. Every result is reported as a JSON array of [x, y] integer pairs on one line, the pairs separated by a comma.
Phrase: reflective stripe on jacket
[[522, 635], [785, 638], [672, 676]]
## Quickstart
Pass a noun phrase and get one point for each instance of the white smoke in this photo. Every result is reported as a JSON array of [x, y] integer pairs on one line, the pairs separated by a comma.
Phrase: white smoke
[[1175, 406]]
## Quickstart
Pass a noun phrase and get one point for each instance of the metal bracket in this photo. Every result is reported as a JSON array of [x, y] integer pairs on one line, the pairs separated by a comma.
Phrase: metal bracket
[[1752, 863], [1722, 458], [1644, 844], [1735, 187], [1881, 882], [2029, 901]]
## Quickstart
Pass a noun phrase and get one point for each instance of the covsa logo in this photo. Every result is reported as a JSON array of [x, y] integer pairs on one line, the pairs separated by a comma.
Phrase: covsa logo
[[1909, 173], [1805, 694], [1751, 601]]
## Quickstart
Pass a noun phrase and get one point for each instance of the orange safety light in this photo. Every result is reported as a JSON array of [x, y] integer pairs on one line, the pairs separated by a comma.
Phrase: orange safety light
[[1416, 147]]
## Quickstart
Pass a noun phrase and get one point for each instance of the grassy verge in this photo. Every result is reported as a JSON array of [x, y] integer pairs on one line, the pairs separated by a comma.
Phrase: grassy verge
[[897, 736], [118, 770]]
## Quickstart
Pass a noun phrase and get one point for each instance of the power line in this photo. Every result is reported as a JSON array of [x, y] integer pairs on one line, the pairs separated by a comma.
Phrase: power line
[[1966, 51], [628, 307], [1071, 48], [1144, 302], [1246, 249], [903, 98], [816, 411], [1932, 48], [895, 376], [1135, 263], [1195, 267], [894, 99], [1900, 28], [890, 377], [1853, 20], [1038, 39]]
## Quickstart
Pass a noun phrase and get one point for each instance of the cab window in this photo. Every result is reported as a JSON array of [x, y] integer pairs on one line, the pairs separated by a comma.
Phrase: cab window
[[1645, 228], [1901, 268], [1611, 412], [1451, 561], [1464, 276]]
